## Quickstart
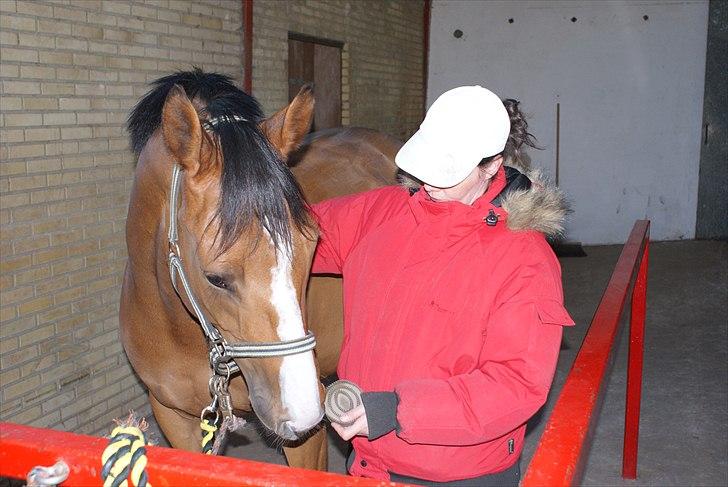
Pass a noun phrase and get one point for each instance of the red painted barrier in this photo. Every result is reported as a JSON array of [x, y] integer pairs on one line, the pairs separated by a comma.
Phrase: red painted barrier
[[24, 447], [564, 446]]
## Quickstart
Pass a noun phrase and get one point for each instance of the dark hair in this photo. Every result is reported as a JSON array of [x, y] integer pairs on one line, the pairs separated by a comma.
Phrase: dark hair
[[255, 183], [519, 135]]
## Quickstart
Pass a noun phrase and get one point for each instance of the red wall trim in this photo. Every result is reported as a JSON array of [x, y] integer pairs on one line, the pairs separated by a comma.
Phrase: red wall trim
[[426, 19], [248, 46]]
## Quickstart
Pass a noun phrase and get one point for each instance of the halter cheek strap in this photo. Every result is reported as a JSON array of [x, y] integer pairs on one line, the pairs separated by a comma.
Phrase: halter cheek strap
[[221, 352]]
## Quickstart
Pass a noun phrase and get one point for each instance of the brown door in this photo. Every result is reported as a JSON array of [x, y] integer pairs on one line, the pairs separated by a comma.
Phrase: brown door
[[317, 62]]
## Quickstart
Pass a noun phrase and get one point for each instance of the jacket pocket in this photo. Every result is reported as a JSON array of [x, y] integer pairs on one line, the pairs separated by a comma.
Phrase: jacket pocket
[[552, 312]]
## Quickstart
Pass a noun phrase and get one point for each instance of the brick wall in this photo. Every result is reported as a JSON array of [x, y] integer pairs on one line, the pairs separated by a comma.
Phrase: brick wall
[[71, 70], [381, 60]]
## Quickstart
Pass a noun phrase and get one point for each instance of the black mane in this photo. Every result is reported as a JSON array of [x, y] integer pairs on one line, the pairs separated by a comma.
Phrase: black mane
[[255, 183]]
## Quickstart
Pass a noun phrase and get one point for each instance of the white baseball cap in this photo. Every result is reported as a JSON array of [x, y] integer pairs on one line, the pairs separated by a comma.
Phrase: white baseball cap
[[462, 127]]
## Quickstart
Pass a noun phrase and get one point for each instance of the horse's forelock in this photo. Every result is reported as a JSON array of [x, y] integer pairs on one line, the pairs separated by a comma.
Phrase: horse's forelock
[[256, 185]]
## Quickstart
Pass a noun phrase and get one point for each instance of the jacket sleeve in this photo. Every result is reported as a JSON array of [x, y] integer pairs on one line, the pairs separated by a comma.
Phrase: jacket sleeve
[[339, 220], [518, 359], [344, 220]]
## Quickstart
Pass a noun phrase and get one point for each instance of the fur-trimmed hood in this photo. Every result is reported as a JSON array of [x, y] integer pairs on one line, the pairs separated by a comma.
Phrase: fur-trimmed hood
[[531, 201]]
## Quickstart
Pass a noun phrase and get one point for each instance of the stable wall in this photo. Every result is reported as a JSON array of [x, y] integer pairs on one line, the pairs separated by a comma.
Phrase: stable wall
[[630, 91], [382, 82], [71, 71]]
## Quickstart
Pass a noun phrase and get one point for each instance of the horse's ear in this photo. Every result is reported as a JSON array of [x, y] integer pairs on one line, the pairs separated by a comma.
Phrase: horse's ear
[[181, 129], [287, 127]]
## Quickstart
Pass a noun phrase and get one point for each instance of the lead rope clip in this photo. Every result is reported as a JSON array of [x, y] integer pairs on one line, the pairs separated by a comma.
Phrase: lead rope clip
[[47, 476]]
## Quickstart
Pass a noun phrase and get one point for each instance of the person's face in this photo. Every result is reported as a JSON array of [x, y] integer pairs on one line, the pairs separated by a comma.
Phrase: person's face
[[469, 189]]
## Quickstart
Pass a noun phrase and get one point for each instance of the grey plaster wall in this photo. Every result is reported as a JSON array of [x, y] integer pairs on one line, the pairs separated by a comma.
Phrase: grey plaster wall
[[628, 80]]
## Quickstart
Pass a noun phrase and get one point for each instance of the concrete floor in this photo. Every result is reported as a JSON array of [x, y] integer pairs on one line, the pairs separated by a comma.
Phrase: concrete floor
[[684, 423]]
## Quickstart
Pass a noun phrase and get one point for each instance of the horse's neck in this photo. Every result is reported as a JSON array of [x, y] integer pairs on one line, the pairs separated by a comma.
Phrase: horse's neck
[[148, 297], [146, 224]]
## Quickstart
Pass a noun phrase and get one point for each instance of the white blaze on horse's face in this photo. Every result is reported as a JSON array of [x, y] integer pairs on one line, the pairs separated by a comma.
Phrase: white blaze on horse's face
[[298, 378]]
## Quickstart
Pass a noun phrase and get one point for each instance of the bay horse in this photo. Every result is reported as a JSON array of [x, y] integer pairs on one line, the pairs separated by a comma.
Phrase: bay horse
[[220, 242]]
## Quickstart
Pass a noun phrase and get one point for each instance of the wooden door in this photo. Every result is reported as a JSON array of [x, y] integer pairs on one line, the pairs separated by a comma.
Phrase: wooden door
[[317, 62]]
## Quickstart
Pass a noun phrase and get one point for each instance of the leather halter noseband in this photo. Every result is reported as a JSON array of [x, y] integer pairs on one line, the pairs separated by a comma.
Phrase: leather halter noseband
[[221, 352]]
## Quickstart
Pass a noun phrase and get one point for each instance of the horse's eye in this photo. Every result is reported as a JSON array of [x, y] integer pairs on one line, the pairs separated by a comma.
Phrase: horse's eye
[[217, 281]]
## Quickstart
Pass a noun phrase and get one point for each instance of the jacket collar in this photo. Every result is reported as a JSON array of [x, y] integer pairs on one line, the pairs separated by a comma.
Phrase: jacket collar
[[527, 198], [445, 223], [456, 213]]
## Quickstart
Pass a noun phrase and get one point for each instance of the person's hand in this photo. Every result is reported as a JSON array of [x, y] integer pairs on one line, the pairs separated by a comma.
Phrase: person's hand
[[356, 424]]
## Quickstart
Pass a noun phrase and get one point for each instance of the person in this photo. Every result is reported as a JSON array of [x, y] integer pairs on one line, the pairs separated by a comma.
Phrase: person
[[453, 305]]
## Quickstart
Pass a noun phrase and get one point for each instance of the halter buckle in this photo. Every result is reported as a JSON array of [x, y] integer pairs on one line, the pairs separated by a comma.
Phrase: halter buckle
[[174, 248]]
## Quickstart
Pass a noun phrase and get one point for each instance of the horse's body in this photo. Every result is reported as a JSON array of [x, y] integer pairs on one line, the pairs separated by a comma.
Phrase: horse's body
[[250, 278], [333, 163]]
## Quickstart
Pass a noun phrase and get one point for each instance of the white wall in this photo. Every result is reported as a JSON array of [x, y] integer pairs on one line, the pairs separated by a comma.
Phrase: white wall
[[630, 93]]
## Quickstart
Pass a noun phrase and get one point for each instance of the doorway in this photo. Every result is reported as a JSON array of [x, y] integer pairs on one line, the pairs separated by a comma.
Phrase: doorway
[[318, 62]]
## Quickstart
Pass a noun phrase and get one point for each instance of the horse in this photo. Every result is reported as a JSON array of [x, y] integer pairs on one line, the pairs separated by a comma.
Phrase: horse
[[220, 241]]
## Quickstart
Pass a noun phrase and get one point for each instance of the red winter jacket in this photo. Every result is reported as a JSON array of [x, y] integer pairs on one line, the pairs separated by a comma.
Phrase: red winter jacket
[[460, 318]]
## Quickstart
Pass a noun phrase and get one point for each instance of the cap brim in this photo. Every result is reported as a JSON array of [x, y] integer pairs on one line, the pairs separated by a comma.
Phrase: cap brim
[[425, 162]]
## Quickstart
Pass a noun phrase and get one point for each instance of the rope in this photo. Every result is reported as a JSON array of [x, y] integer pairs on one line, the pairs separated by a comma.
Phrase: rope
[[229, 423], [209, 428], [125, 458]]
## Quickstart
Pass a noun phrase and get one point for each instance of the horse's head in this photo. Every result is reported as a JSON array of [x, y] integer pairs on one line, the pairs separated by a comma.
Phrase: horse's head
[[245, 237]]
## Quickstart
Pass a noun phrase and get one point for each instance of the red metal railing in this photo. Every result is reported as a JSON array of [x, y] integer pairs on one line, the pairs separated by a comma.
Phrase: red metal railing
[[563, 449], [24, 447]]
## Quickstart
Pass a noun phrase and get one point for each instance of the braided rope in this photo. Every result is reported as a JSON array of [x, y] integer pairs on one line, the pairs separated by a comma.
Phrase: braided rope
[[125, 458], [209, 428]]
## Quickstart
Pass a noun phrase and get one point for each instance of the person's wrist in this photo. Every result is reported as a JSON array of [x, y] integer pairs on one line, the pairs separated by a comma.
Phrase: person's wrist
[[381, 412]]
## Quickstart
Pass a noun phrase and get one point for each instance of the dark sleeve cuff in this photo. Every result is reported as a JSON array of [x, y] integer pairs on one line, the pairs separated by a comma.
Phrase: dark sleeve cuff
[[381, 411]]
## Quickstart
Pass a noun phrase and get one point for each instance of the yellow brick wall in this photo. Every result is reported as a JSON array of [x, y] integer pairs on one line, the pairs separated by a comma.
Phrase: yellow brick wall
[[382, 84], [71, 70]]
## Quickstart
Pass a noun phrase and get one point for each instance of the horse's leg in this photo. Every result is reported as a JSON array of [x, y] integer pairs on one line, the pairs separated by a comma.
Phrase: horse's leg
[[182, 431], [313, 454]]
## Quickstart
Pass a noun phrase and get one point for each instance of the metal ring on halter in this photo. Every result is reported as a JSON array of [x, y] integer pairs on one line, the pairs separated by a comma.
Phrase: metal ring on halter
[[209, 410], [227, 370], [213, 384], [218, 385]]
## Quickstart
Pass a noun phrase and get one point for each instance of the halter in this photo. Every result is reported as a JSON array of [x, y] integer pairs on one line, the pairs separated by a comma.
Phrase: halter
[[221, 352]]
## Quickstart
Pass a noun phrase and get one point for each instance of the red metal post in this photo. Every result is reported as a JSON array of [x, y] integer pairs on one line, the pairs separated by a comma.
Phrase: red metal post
[[634, 369], [426, 20], [248, 46], [24, 447], [564, 445]]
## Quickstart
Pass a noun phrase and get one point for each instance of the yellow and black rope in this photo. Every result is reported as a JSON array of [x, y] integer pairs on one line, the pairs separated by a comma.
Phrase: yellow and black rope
[[209, 428], [125, 458]]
